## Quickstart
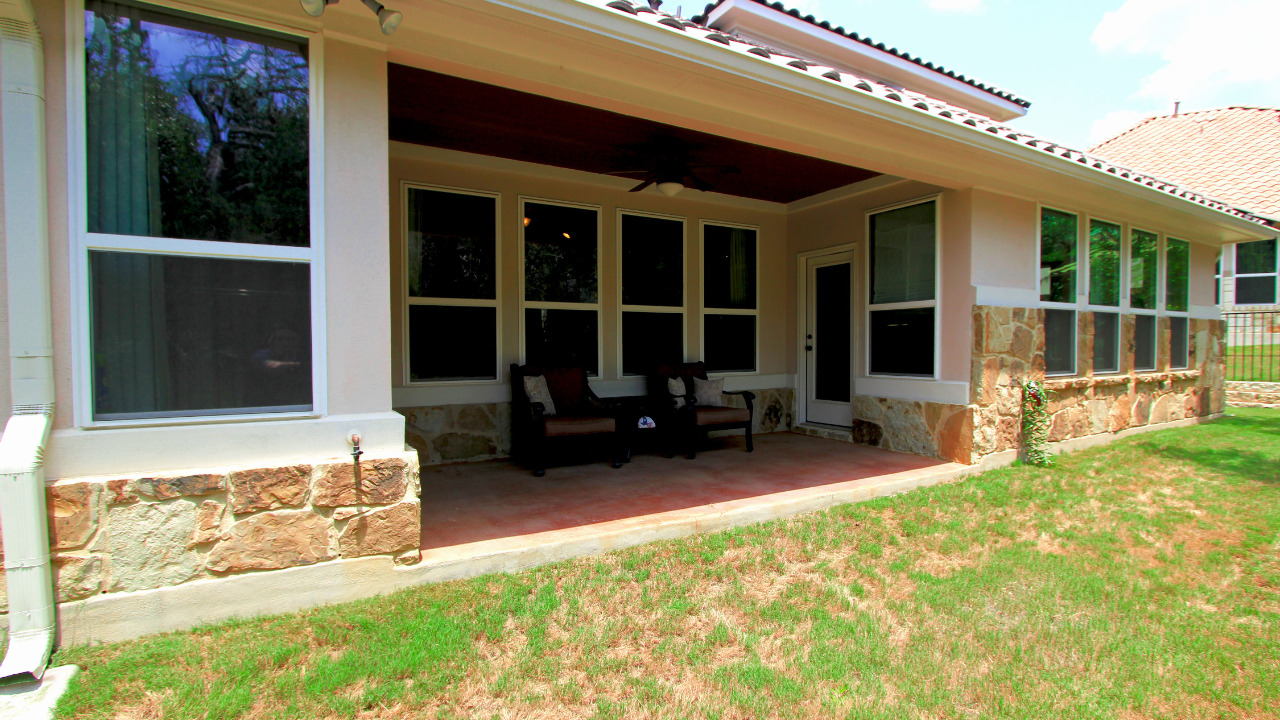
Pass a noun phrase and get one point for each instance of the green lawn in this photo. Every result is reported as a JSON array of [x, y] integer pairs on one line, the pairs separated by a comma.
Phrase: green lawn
[[1253, 363], [1138, 580]]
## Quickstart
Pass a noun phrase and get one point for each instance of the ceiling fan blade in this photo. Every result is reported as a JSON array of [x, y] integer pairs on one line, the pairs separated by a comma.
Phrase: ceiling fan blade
[[629, 172], [647, 182], [697, 183]]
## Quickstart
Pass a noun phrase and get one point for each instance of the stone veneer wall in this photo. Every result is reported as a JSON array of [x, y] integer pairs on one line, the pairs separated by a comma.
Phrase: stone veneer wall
[[1253, 394], [465, 433], [1008, 348], [140, 533]]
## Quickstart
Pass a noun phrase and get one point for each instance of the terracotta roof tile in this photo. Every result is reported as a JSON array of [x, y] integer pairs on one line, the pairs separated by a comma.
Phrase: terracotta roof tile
[[986, 87], [1232, 153], [640, 12]]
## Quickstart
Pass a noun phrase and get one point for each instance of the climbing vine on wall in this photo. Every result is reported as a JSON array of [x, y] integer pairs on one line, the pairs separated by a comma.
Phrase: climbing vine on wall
[[1035, 424]]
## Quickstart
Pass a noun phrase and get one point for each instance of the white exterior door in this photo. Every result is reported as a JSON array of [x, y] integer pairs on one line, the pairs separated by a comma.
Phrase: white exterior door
[[828, 343]]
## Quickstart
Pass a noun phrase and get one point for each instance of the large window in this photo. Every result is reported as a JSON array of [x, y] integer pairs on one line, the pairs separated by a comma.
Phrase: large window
[[1104, 292], [1177, 289], [195, 238], [902, 290], [652, 260], [451, 243], [1256, 273], [730, 308], [1059, 250], [1177, 277], [561, 285], [1144, 282]]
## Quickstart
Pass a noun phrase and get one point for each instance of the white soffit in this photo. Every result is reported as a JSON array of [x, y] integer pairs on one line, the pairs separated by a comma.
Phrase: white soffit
[[793, 35]]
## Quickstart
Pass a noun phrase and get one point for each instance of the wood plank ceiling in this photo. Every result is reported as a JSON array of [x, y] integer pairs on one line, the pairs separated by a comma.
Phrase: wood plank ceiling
[[438, 110]]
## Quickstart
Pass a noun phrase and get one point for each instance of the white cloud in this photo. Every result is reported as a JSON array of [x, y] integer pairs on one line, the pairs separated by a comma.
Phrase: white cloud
[[1114, 123], [1211, 51], [956, 6]]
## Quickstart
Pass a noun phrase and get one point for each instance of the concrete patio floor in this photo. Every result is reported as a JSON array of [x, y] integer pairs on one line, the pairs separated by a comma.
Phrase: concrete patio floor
[[476, 507]]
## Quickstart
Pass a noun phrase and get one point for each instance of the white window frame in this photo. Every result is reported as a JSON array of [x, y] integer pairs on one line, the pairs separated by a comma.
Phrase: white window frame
[[1122, 291], [683, 308], [409, 300], [1081, 284], [83, 242], [1128, 297], [523, 200], [935, 303], [704, 311], [1274, 274]]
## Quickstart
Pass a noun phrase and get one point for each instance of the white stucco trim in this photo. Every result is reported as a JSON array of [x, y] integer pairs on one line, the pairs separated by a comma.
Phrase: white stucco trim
[[462, 394], [922, 390], [1005, 296], [79, 452]]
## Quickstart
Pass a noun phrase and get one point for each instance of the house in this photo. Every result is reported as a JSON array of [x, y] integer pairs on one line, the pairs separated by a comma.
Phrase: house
[[254, 248], [1230, 153]]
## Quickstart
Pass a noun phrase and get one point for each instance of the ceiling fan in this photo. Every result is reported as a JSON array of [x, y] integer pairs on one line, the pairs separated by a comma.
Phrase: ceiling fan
[[670, 163]]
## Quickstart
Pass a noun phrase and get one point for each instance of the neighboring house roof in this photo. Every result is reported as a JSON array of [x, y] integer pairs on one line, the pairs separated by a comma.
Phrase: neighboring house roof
[[1232, 153], [641, 12], [987, 87]]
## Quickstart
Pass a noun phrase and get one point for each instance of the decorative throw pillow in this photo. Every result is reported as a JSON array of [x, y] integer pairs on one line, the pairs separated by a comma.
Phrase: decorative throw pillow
[[676, 387], [710, 393], [535, 388]]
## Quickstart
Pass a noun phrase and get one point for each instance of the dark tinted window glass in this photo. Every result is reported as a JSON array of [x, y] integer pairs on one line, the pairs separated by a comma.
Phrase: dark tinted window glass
[[1144, 270], [1144, 342], [902, 342], [903, 254], [831, 333], [1058, 240], [1256, 257], [451, 241], [1179, 259], [559, 254], [1106, 342], [1256, 290], [562, 338], [452, 343], [652, 261], [194, 130], [1060, 341], [1104, 263], [730, 342], [649, 339], [1178, 343], [729, 267], [175, 336]]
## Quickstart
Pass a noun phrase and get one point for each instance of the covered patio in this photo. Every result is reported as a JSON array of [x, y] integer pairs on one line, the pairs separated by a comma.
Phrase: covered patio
[[474, 510]]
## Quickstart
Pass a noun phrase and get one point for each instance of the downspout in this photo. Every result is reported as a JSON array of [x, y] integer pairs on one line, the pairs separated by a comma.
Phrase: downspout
[[26, 237]]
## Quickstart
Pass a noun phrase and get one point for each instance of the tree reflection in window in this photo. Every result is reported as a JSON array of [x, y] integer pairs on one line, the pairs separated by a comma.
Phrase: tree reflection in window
[[1104, 263], [194, 130], [1058, 242], [559, 254]]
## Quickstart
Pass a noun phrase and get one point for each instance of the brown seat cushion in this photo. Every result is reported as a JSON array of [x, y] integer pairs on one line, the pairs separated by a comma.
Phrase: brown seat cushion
[[718, 415], [557, 426]]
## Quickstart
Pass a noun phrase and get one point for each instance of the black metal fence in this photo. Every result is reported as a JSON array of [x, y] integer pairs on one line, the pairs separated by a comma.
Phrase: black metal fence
[[1253, 346]]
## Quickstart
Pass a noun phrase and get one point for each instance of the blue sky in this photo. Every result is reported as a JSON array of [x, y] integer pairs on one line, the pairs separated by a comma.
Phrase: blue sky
[[1091, 68]]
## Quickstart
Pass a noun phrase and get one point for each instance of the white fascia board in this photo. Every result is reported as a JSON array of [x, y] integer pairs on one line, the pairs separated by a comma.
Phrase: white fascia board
[[607, 26], [791, 34]]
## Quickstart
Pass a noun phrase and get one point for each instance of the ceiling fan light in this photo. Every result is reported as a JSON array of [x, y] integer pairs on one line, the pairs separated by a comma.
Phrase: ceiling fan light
[[670, 189], [314, 8], [389, 20]]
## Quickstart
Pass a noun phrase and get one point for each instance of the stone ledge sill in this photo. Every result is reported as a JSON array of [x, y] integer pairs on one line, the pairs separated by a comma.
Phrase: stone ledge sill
[[1077, 383]]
